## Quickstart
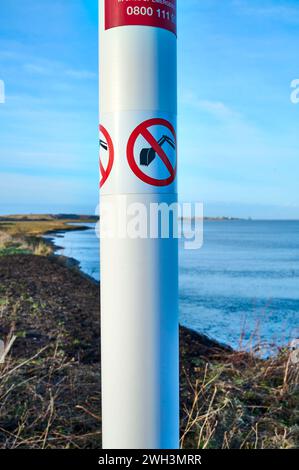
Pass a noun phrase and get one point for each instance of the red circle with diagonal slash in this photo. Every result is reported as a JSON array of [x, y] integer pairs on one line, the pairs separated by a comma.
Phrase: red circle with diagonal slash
[[142, 130], [106, 172]]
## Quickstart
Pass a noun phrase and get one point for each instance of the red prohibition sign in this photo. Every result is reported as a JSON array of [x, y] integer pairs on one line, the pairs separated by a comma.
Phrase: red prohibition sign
[[108, 145], [143, 130]]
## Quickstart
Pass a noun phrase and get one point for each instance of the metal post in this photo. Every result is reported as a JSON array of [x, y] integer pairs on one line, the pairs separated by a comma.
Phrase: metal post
[[139, 276]]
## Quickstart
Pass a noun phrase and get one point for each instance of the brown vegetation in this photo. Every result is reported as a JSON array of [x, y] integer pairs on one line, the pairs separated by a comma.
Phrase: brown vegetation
[[23, 233], [50, 381]]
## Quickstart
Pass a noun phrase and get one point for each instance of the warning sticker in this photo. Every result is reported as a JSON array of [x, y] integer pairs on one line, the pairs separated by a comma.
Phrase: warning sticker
[[106, 155], [151, 152], [155, 13]]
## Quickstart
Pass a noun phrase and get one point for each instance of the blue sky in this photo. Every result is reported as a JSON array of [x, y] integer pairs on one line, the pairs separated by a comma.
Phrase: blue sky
[[238, 130]]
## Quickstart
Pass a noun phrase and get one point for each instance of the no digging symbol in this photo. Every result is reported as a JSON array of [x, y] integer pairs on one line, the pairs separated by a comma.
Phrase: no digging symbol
[[153, 152], [106, 145]]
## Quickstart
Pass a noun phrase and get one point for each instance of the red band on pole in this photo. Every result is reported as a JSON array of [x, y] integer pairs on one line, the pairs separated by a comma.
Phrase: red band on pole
[[155, 13]]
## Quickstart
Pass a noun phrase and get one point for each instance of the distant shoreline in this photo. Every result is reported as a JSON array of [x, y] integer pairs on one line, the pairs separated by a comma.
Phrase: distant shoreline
[[24, 233], [78, 218]]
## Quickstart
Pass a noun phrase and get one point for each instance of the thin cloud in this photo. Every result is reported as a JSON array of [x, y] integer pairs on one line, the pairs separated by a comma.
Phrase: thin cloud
[[40, 161], [81, 74], [51, 68], [44, 189], [216, 109], [37, 69], [2, 92], [278, 11]]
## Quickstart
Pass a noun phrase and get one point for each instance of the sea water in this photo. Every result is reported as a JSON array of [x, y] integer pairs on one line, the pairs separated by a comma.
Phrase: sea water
[[241, 287]]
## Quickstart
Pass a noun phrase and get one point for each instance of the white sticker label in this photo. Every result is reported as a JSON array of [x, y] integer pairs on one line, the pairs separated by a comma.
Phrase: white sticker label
[[138, 154]]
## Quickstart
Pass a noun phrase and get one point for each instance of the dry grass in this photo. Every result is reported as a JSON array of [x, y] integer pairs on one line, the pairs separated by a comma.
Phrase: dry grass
[[20, 243], [36, 225], [35, 228], [12, 244], [49, 401], [50, 382], [24, 236], [242, 402], [41, 249], [5, 239]]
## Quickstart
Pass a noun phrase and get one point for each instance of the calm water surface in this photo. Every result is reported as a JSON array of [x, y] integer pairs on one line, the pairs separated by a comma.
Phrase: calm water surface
[[241, 287]]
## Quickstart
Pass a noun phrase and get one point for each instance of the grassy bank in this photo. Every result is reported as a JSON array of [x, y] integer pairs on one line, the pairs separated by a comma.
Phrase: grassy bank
[[22, 234], [50, 381]]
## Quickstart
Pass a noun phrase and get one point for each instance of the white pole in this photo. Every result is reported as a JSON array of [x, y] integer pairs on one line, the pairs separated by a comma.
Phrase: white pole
[[139, 277]]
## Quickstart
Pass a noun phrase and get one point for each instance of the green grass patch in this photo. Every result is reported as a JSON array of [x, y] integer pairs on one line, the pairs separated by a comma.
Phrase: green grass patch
[[13, 251]]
